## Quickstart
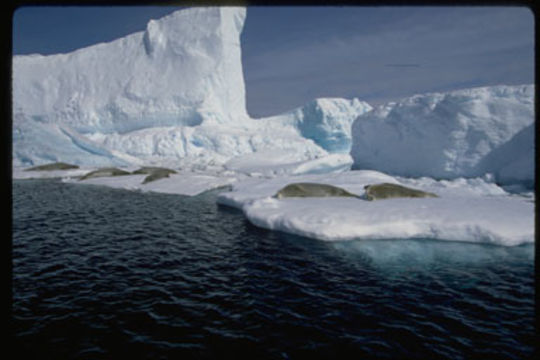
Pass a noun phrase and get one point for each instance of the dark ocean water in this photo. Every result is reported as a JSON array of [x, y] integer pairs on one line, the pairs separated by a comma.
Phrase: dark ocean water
[[101, 273]]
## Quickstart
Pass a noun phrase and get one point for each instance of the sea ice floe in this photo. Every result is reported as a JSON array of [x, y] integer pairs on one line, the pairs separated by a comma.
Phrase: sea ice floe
[[470, 210], [466, 210], [182, 183]]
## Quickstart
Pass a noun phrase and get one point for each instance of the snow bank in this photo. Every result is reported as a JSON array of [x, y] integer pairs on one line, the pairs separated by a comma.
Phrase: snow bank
[[464, 133], [472, 210]]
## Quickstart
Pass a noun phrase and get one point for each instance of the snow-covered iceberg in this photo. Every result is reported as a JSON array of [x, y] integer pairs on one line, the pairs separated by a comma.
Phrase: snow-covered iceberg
[[172, 95], [464, 133], [185, 68]]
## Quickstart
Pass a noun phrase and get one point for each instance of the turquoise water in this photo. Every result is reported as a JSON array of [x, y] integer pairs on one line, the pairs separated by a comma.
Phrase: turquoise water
[[100, 273]]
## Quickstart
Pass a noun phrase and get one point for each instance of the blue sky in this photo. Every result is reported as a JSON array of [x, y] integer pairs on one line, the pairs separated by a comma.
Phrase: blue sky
[[294, 54]]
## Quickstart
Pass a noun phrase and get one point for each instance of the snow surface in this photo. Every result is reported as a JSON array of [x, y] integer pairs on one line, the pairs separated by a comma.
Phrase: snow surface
[[464, 133], [21, 174], [472, 210], [187, 183], [276, 163], [193, 180]]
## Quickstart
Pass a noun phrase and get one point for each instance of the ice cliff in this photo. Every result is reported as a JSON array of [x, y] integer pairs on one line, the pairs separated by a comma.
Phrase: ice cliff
[[464, 133], [170, 94], [174, 95], [182, 70]]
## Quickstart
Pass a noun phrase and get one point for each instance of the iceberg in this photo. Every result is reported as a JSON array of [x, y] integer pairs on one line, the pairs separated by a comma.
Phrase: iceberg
[[182, 70], [172, 95], [463, 133]]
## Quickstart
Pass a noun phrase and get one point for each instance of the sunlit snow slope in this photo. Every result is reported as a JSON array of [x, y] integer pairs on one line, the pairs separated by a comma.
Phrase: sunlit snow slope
[[461, 133]]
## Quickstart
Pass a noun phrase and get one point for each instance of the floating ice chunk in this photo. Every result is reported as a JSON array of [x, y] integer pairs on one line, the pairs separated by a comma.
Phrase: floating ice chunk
[[184, 183], [469, 211], [24, 173], [256, 188]]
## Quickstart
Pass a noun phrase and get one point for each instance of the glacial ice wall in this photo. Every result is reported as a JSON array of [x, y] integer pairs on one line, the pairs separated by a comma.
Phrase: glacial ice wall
[[464, 133], [174, 94], [182, 70], [170, 94]]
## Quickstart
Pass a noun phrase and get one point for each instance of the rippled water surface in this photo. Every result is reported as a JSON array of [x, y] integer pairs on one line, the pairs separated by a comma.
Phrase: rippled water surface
[[101, 273]]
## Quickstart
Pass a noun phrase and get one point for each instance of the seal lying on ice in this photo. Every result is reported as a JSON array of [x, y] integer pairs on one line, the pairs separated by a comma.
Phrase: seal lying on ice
[[311, 190], [387, 191], [53, 166], [103, 172], [154, 173]]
